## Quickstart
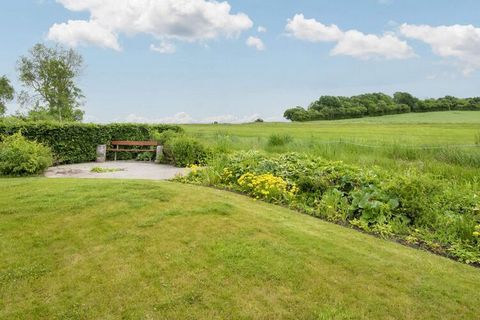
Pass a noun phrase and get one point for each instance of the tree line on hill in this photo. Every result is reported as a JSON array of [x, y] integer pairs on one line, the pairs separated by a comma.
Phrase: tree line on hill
[[376, 104]]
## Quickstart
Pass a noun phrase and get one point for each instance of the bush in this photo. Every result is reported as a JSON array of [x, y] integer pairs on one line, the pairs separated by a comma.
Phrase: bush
[[163, 136], [278, 140], [418, 208], [145, 156], [183, 151], [266, 186], [20, 157], [77, 142]]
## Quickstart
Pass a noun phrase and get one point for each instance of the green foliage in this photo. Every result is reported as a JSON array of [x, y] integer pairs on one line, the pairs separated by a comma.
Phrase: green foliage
[[267, 187], [145, 156], [435, 212], [182, 151], [278, 140], [297, 114], [466, 253], [163, 136], [20, 157], [372, 205], [77, 142], [49, 75], [376, 104], [104, 170], [6, 94]]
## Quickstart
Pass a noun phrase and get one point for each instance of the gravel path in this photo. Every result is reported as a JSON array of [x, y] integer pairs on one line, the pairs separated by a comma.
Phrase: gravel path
[[128, 170]]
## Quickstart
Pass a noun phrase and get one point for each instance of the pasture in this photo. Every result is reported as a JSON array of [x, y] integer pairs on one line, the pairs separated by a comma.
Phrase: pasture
[[441, 143]]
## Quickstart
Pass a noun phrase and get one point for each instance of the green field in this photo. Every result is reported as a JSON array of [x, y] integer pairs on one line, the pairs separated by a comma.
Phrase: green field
[[413, 129], [445, 144], [91, 249]]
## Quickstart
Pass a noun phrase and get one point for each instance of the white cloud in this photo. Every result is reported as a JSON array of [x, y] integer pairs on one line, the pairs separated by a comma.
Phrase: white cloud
[[165, 47], [256, 43], [352, 42], [461, 42], [312, 30], [365, 46], [183, 117], [261, 29], [79, 32], [180, 20]]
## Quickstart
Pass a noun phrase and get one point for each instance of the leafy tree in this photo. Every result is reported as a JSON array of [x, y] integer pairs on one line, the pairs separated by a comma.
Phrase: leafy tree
[[6, 94], [49, 75], [297, 114], [406, 99], [376, 104]]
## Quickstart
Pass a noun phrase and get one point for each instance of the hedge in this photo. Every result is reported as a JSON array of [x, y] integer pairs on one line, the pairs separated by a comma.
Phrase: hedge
[[77, 142]]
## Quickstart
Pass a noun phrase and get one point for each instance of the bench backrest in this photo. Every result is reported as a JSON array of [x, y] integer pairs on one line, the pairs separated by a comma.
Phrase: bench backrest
[[134, 143]]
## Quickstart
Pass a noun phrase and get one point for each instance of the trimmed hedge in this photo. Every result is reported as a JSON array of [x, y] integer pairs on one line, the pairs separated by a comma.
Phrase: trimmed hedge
[[77, 142]]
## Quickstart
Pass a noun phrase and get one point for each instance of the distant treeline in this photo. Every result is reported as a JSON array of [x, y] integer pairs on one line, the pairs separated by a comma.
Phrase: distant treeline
[[376, 104]]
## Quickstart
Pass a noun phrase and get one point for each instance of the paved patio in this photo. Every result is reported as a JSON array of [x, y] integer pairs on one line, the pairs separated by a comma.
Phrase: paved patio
[[127, 170]]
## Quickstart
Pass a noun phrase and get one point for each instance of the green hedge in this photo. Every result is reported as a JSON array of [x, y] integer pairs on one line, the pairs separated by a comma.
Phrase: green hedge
[[77, 142]]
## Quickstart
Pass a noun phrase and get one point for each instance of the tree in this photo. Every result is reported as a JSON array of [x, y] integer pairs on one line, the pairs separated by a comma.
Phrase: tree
[[48, 75], [296, 114], [405, 98], [6, 94]]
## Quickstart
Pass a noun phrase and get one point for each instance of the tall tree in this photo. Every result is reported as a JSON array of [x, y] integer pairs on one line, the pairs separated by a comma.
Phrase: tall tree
[[49, 75], [6, 94]]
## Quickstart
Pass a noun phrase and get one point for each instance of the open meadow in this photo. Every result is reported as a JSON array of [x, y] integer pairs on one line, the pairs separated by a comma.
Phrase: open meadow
[[442, 143]]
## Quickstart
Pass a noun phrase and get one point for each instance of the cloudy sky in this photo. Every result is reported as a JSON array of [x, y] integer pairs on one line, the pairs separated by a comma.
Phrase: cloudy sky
[[233, 61]]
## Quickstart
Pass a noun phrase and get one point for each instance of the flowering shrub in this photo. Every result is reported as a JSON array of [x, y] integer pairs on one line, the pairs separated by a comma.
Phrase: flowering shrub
[[418, 208], [476, 233], [267, 186]]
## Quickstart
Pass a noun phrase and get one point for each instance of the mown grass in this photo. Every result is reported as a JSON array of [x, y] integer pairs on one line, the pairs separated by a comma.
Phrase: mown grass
[[439, 143], [98, 249]]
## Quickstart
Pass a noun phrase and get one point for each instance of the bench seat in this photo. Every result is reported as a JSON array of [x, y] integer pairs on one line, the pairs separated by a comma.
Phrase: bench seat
[[119, 143]]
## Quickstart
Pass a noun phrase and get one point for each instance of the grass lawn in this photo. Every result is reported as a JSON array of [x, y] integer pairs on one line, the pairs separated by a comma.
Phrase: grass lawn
[[102, 249]]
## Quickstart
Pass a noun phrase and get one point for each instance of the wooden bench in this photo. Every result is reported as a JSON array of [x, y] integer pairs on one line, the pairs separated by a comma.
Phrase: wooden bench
[[116, 146]]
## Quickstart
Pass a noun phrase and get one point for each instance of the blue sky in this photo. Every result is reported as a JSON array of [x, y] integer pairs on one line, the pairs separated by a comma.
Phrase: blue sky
[[206, 71]]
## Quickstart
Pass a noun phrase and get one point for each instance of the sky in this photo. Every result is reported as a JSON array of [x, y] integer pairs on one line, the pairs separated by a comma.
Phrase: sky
[[187, 61]]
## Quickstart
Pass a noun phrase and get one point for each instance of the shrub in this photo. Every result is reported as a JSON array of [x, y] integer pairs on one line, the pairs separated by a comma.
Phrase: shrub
[[20, 157], [372, 205], [419, 208], [77, 142], [279, 140], [163, 136], [266, 186], [145, 156], [183, 151], [416, 195]]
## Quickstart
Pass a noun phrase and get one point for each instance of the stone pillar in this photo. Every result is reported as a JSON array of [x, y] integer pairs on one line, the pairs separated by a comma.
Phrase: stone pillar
[[159, 154], [101, 153]]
